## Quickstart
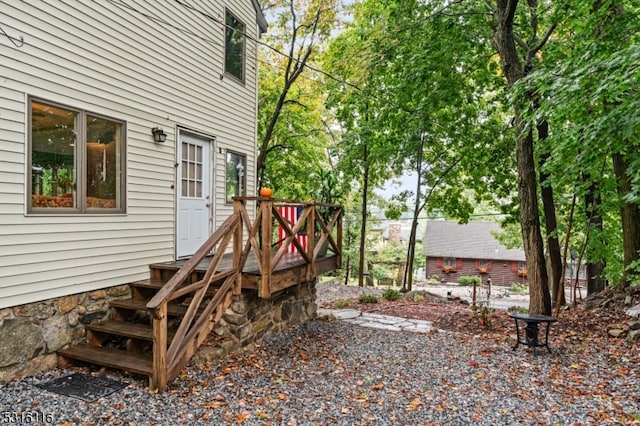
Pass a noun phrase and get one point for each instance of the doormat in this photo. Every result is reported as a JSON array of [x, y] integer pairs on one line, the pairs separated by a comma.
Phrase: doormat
[[80, 386]]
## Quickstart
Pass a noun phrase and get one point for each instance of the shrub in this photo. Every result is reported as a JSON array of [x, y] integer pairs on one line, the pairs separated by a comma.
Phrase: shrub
[[468, 280], [433, 279], [367, 298], [391, 294], [518, 288], [484, 315], [340, 304]]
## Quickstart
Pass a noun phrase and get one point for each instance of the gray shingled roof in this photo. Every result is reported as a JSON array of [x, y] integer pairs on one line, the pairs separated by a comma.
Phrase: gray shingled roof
[[470, 241]]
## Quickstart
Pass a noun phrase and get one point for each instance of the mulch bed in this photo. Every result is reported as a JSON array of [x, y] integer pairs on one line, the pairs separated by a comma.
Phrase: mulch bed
[[576, 323]]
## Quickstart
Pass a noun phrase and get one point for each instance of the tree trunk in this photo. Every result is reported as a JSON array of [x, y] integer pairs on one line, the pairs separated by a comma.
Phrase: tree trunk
[[408, 272], [539, 298], [411, 251], [594, 268], [505, 43], [630, 215], [363, 227], [347, 267], [551, 224]]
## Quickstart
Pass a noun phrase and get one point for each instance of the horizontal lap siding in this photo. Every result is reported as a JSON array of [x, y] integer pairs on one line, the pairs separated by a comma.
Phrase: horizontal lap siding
[[113, 61]]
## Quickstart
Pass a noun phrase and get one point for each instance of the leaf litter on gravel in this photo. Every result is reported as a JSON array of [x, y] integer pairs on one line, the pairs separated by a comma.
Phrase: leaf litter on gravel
[[580, 335]]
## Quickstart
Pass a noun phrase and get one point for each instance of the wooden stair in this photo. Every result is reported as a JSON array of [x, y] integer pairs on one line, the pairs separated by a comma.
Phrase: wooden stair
[[130, 324], [109, 357], [125, 340], [169, 315]]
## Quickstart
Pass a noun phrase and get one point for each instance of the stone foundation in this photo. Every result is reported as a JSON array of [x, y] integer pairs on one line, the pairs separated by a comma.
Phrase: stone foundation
[[249, 319], [31, 334]]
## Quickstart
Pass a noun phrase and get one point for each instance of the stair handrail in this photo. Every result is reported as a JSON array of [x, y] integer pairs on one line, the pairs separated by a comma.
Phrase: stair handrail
[[164, 295], [190, 333]]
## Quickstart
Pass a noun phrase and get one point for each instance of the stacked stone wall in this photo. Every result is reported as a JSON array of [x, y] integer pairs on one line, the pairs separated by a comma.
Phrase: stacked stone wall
[[249, 319], [31, 334]]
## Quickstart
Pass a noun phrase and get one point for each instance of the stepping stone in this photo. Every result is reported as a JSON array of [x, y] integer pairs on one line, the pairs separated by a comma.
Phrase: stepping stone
[[380, 326], [345, 314], [385, 319]]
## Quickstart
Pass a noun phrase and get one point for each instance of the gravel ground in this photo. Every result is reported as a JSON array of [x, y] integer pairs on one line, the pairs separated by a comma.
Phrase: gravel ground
[[326, 373]]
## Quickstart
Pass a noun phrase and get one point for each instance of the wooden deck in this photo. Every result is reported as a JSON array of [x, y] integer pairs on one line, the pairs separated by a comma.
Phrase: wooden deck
[[291, 270]]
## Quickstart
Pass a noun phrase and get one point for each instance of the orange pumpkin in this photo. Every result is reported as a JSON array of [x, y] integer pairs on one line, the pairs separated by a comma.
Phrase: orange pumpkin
[[266, 192]]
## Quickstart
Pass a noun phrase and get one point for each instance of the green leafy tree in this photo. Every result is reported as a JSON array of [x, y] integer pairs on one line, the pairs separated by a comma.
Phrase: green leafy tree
[[595, 139], [415, 100], [294, 130], [364, 151]]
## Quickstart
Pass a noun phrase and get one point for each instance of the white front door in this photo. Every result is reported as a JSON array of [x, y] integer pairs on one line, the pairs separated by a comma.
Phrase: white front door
[[194, 194]]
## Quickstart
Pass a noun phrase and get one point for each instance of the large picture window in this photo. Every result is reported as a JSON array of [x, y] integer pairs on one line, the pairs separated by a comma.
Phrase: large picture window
[[236, 181], [77, 161], [234, 46]]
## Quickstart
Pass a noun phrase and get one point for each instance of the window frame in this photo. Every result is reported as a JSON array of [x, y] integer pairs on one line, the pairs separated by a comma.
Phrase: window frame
[[243, 55], [522, 268], [243, 184], [80, 163]]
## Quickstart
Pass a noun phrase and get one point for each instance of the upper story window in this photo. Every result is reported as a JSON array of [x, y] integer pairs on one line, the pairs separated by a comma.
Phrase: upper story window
[[236, 180], [234, 58], [76, 161]]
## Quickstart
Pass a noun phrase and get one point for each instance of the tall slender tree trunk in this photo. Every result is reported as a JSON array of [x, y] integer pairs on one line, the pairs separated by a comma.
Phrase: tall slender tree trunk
[[551, 224], [596, 281], [630, 215], [363, 226], [347, 267], [505, 42], [539, 297], [408, 273]]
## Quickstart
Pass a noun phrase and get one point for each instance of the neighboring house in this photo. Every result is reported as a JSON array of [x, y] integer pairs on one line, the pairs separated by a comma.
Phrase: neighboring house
[[453, 250], [125, 129]]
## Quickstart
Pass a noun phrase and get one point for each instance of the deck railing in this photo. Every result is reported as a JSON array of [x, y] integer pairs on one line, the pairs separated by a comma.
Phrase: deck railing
[[322, 224]]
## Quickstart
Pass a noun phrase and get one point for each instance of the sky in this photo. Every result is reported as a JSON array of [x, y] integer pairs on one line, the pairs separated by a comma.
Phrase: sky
[[407, 182]]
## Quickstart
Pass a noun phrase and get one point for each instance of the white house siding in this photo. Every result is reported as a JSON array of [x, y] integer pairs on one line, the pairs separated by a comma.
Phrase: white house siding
[[149, 64]]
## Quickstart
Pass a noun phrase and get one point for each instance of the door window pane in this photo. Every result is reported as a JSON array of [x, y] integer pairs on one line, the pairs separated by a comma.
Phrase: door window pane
[[192, 170]]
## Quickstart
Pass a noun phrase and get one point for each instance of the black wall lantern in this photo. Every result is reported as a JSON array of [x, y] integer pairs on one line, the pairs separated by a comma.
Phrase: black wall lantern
[[158, 135]]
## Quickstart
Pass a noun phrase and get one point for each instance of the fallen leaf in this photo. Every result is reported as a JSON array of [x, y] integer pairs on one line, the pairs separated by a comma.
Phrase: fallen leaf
[[242, 417]]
